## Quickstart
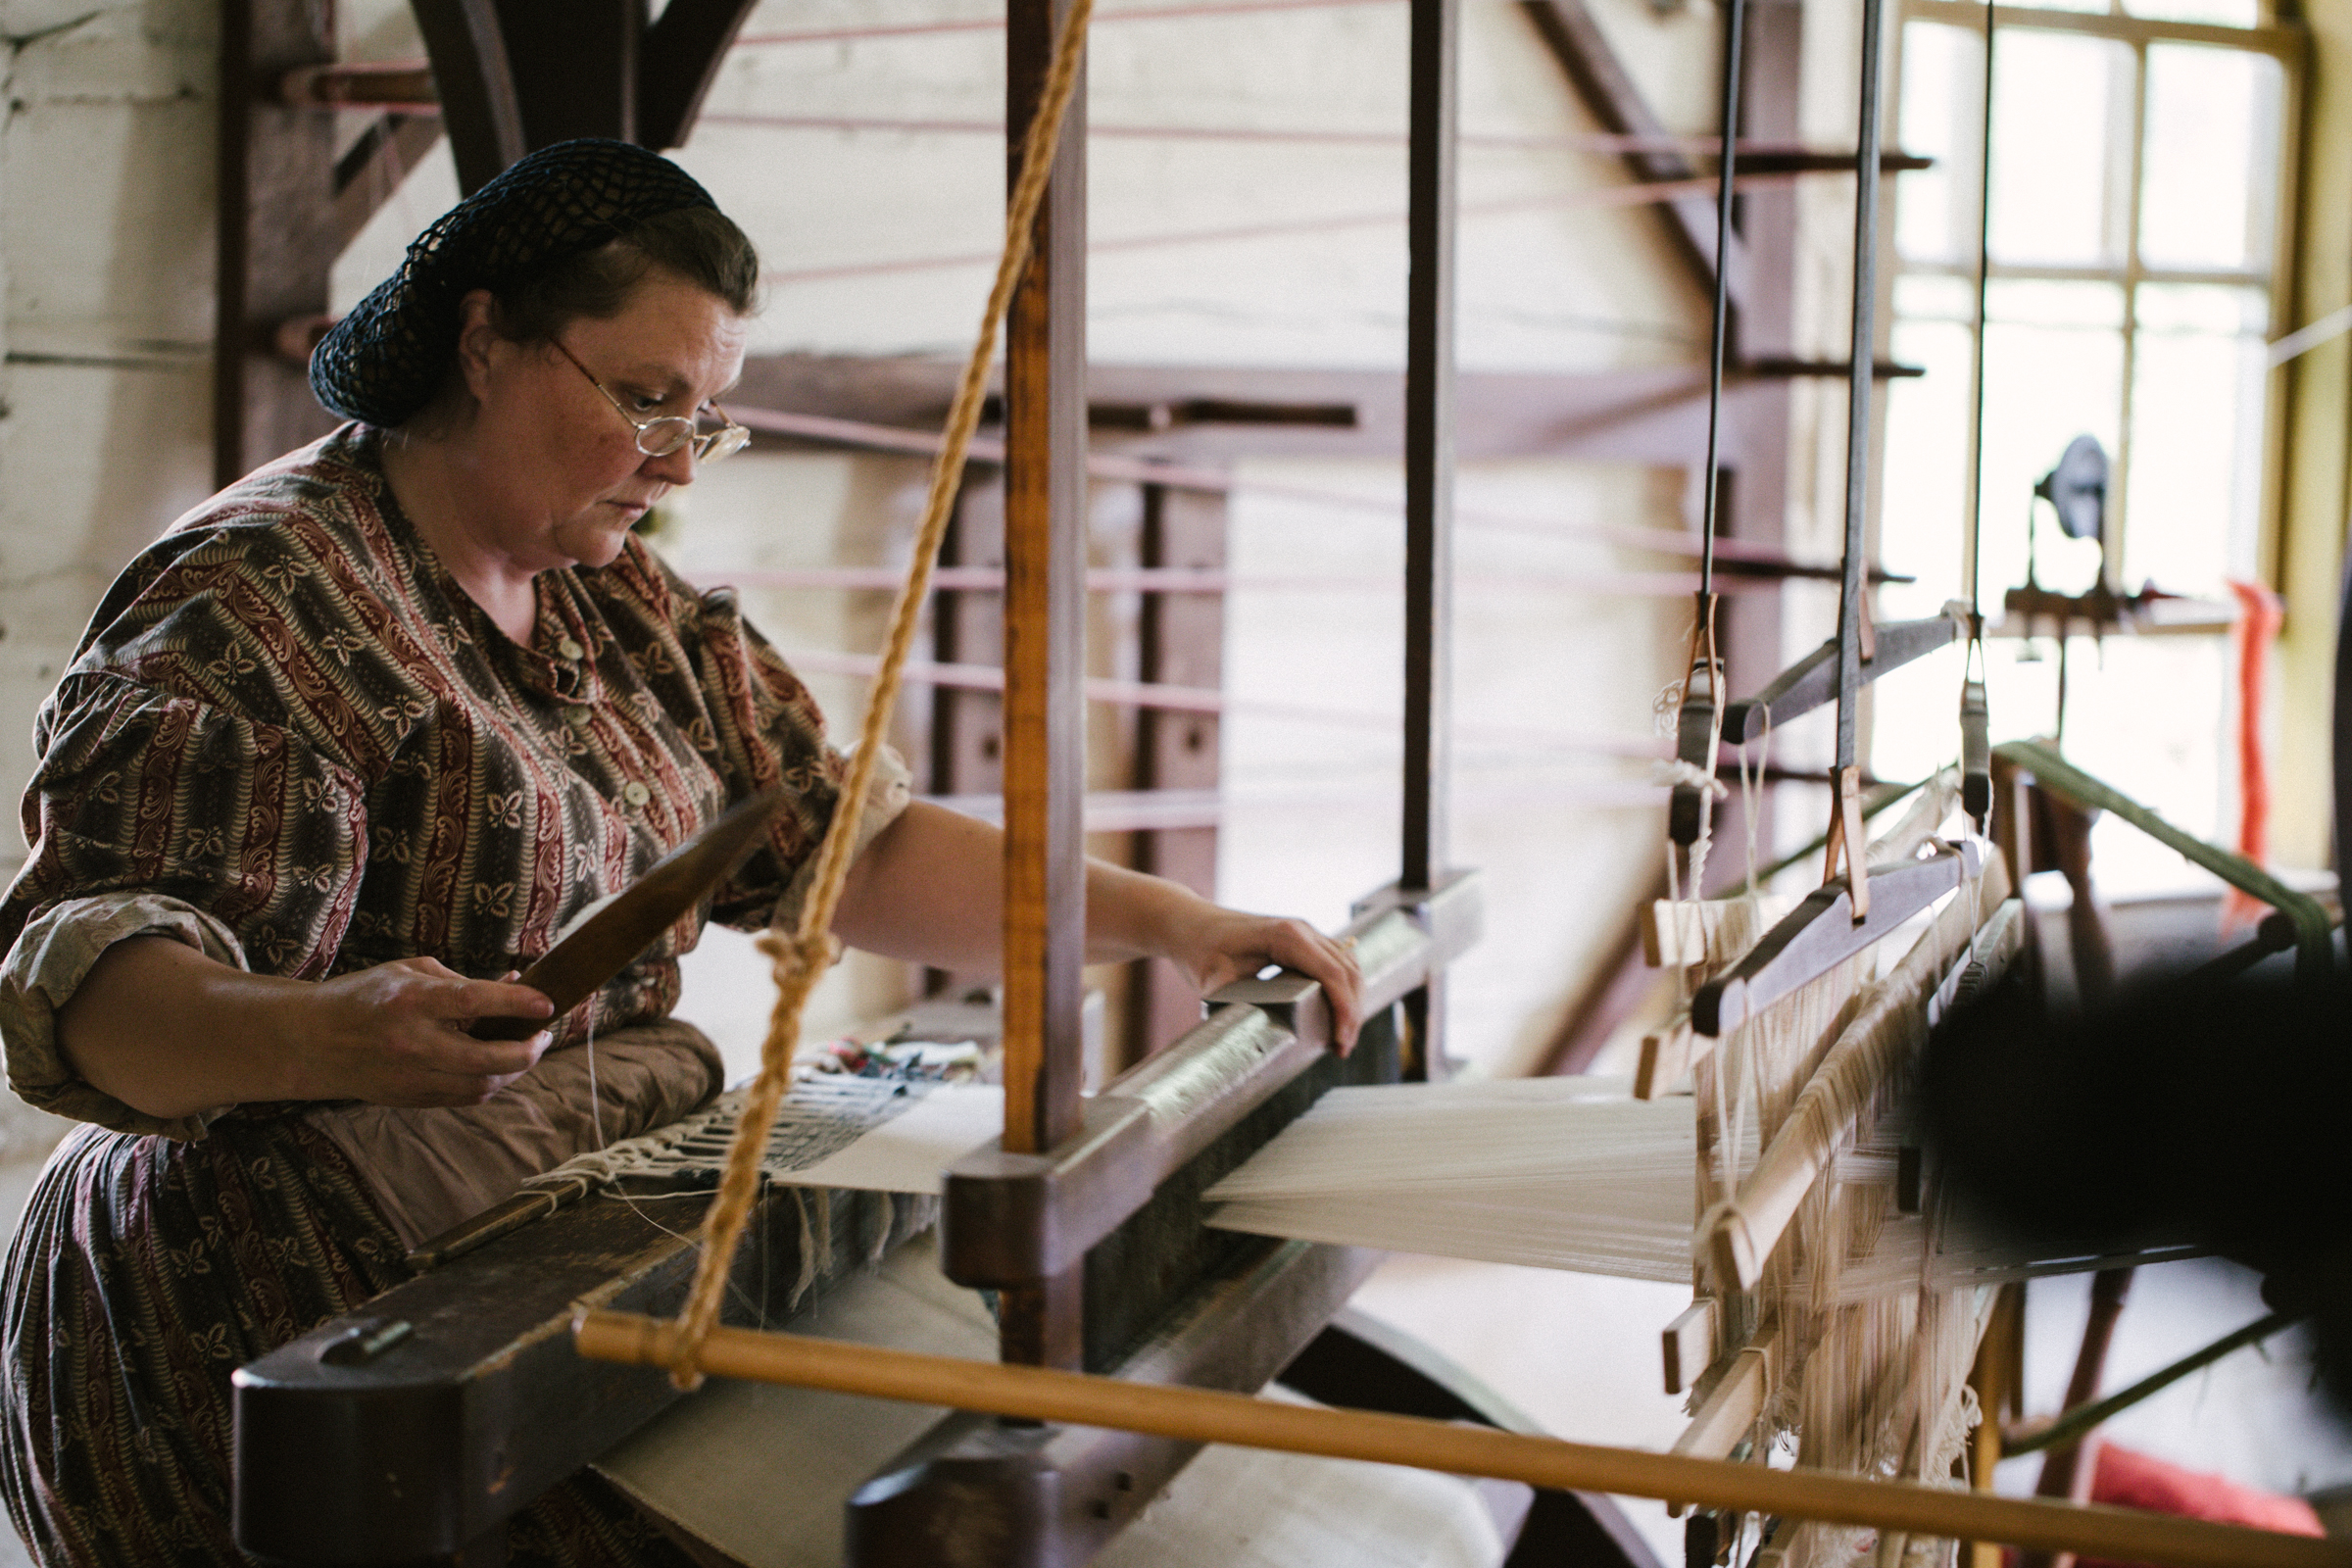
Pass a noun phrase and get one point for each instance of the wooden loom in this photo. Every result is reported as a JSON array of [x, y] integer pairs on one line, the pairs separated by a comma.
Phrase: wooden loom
[[1776, 1327], [412, 1429], [431, 1420]]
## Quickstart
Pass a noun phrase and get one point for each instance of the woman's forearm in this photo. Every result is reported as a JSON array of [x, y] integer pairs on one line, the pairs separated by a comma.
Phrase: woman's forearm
[[930, 888], [171, 1033]]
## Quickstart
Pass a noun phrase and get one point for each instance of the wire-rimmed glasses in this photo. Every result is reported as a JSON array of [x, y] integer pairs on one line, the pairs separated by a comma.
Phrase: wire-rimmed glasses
[[659, 438]]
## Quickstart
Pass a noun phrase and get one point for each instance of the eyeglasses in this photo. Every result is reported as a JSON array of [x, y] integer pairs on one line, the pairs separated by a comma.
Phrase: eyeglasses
[[659, 438]]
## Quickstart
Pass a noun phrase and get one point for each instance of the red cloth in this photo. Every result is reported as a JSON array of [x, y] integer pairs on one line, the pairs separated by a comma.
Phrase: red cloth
[[2260, 612], [2132, 1480]]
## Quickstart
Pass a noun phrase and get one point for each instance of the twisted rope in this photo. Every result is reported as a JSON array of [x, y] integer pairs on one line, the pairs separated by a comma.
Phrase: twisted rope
[[801, 958]]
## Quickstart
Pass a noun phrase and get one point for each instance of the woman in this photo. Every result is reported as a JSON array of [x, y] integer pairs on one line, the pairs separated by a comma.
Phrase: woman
[[367, 727]]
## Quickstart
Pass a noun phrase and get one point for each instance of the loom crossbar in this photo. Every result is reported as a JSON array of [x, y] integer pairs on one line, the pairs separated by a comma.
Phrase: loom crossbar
[[1822, 933], [1812, 681], [1199, 1415]]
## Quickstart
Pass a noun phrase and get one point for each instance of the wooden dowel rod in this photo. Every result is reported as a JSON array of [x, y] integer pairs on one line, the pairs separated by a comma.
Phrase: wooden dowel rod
[[1728, 1415], [1203, 1415]]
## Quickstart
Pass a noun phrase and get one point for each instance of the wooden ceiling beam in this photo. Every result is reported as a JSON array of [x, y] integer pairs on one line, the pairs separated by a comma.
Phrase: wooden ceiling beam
[[515, 76], [1610, 93]]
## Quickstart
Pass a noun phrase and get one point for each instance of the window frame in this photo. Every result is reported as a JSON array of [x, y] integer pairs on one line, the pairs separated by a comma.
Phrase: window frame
[[2291, 46]]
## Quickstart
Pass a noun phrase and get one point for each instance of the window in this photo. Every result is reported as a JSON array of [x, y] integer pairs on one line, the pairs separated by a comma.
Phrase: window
[[2138, 244]]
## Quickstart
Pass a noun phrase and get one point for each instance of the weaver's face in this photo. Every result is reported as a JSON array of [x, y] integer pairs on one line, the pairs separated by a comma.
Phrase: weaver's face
[[567, 473]]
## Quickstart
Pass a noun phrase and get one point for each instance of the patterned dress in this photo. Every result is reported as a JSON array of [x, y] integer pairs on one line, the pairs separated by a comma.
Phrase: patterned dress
[[292, 741]]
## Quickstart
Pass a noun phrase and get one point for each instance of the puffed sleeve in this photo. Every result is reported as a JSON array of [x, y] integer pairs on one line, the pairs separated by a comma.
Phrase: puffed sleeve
[[152, 813], [186, 787], [47, 965]]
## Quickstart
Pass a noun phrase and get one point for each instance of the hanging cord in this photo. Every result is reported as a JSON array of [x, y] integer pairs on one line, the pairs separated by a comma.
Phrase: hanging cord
[[801, 959], [1735, 25], [1976, 719], [1698, 726]]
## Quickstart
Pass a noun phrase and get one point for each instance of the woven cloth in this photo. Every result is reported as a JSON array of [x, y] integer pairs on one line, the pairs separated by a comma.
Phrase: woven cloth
[[386, 360]]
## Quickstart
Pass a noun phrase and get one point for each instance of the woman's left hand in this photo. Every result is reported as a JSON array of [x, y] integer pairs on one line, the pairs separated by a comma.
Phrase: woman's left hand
[[1223, 946]]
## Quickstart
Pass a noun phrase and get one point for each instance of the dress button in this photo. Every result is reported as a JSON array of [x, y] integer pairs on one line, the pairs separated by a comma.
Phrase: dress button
[[576, 717], [570, 648], [635, 793]]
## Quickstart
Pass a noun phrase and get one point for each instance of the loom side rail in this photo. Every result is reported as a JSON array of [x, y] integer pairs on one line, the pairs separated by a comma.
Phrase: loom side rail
[[1009, 1219], [356, 1444], [2315, 951]]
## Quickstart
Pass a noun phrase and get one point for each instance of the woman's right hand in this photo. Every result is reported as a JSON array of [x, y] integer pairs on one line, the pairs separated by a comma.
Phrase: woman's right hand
[[173, 1033], [396, 1035]]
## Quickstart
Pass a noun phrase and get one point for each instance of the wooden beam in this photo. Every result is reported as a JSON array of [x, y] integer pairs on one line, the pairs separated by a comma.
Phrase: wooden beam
[[1577, 42], [515, 76], [1181, 640], [677, 63], [373, 168], [1045, 714], [476, 85], [966, 739], [575, 67]]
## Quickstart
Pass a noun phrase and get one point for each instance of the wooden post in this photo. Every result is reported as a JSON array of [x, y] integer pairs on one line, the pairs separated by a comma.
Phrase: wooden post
[[1182, 644], [277, 233], [1045, 719], [966, 739], [1429, 481]]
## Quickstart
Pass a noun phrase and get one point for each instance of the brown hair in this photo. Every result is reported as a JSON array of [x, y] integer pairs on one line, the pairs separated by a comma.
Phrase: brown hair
[[700, 244]]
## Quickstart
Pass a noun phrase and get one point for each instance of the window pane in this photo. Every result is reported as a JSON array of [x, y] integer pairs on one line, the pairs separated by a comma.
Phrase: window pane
[[2194, 489], [1931, 297], [2058, 198], [2049, 377], [1943, 109], [2040, 302], [1923, 519], [2206, 198]]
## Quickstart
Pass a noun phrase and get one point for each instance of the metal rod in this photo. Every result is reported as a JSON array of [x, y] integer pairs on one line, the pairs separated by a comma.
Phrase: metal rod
[[1640, 195], [1213, 8], [859, 433], [1853, 602], [2072, 1426], [1976, 439], [1429, 387], [1728, 152]]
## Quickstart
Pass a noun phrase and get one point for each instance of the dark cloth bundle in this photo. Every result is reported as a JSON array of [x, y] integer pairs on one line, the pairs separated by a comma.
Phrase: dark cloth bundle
[[2197, 1112]]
